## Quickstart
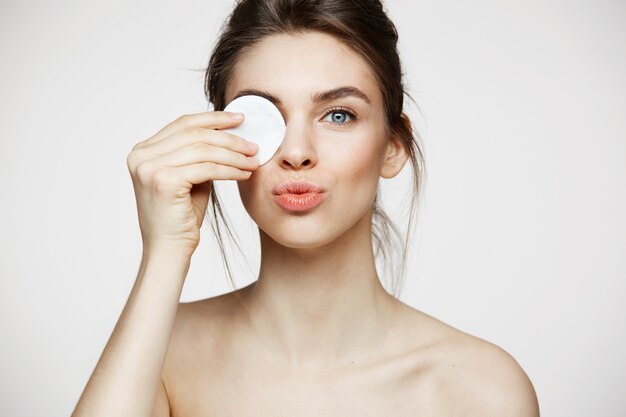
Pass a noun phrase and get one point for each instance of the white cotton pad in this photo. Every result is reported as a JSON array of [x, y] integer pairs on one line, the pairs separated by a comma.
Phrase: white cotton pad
[[262, 124]]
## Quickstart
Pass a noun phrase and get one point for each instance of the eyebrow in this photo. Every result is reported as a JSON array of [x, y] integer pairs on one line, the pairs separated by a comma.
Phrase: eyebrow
[[319, 97]]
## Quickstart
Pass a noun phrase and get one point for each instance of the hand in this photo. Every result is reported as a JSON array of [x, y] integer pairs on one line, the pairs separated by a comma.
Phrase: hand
[[172, 173]]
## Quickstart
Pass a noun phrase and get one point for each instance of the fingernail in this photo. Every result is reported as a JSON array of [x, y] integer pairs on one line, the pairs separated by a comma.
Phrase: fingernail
[[252, 145], [236, 116]]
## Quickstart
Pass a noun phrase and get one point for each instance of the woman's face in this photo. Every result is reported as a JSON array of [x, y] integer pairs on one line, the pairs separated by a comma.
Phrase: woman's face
[[323, 144]]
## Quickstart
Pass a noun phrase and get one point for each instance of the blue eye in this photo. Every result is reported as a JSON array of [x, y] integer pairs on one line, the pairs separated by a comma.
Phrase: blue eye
[[338, 116]]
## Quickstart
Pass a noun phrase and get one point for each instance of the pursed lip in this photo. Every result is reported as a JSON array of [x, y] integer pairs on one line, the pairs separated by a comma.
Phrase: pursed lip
[[297, 187]]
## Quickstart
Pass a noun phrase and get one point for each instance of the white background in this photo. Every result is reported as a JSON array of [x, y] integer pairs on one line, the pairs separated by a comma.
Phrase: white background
[[521, 237]]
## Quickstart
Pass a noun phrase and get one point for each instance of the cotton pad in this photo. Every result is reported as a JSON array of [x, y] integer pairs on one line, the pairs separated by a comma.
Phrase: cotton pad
[[262, 124]]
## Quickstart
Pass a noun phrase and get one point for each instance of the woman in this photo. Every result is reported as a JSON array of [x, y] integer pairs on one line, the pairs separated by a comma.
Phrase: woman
[[317, 334]]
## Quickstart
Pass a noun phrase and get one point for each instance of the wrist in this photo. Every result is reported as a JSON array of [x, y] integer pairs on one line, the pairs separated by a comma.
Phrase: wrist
[[168, 263], [167, 251]]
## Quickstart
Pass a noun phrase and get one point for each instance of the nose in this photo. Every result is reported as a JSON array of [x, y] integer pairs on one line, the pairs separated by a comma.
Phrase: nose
[[297, 150]]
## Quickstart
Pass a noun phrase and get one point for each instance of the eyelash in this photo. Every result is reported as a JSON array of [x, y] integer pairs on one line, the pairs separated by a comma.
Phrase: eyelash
[[341, 110]]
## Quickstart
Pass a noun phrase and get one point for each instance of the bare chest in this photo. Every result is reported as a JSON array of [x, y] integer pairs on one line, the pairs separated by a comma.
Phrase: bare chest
[[245, 388]]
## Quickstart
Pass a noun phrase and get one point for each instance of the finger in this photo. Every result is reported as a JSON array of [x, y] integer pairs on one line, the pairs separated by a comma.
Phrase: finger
[[189, 175], [199, 153], [211, 137], [209, 120], [205, 171]]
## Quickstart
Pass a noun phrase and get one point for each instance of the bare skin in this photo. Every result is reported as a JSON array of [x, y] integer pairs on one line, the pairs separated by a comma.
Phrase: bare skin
[[218, 366], [316, 334]]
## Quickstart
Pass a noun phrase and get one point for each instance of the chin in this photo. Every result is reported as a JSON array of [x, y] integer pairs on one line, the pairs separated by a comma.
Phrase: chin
[[303, 245], [300, 238]]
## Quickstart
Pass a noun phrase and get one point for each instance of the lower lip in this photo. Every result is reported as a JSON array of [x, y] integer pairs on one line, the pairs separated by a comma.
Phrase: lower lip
[[299, 202]]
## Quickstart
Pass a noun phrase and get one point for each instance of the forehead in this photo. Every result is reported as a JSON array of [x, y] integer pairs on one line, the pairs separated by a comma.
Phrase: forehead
[[292, 65]]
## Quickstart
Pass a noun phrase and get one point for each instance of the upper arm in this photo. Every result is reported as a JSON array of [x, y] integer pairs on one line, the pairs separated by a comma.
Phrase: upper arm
[[161, 406]]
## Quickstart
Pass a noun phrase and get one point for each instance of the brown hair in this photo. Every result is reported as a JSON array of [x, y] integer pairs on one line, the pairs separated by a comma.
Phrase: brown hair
[[363, 26]]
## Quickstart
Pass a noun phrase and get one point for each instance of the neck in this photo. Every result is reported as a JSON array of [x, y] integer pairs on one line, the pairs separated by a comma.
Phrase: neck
[[320, 305]]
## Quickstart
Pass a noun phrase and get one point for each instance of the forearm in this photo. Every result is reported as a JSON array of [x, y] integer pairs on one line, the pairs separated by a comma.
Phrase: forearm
[[125, 379]]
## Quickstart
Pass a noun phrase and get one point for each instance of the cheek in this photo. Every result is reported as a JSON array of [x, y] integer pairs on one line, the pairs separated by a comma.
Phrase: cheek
[[356, 174], [255, 193], [357, 165]]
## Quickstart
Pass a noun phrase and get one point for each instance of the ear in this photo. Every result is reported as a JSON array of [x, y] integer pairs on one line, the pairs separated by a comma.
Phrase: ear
[[395, 154]]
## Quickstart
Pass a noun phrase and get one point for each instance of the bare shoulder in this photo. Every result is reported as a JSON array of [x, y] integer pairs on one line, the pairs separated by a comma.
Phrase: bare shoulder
[[198, 329], [474, 377], [487, 381], [197, 344], [203, 317]]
